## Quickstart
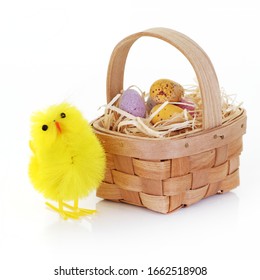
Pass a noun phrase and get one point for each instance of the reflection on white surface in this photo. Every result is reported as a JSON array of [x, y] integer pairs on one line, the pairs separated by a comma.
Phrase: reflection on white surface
[[121, 227]]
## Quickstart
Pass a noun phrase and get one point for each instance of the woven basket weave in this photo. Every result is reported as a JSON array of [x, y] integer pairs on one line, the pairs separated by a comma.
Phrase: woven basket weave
[[166, 174]]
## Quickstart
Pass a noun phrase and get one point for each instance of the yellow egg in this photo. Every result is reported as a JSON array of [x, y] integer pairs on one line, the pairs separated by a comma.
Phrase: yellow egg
[[168, 112], [166, 90]]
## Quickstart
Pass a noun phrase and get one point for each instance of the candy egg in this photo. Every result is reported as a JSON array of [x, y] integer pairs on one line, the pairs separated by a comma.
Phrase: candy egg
[[168, 112], [188, 105], [150, 104], [166, 90], [132, 102]]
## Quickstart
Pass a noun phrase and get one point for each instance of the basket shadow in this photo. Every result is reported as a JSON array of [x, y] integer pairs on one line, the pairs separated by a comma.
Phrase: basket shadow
[[124, 219]]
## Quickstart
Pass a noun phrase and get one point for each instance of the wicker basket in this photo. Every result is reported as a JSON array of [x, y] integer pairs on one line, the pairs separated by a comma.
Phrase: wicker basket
[[166, 174]]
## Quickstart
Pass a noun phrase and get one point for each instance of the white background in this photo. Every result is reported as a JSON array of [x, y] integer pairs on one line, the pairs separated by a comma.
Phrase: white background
[[52, 51]]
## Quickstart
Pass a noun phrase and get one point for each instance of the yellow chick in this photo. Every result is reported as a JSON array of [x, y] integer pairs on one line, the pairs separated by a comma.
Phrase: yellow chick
[[68, 161]]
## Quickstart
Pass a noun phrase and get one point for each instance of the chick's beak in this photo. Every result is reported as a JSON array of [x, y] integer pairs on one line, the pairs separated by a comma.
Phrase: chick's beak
[[57, 124]]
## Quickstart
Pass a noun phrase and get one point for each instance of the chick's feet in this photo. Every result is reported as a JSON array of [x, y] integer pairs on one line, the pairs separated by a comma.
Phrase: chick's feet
[[74, 211], [79, 211]]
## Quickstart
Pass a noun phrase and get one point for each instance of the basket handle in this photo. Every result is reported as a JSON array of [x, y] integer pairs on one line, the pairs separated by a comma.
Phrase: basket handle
[[199, 60]]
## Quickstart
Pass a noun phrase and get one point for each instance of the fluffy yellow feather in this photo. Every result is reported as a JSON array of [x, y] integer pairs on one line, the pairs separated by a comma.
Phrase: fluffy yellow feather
[[68, 161]]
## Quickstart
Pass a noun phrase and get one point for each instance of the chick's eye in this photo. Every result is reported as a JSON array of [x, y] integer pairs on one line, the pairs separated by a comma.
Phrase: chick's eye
[[63, 115], [44, 127]]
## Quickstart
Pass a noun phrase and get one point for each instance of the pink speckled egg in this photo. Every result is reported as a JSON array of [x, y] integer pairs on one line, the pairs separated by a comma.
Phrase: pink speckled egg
[[188, 105], [132, 102]]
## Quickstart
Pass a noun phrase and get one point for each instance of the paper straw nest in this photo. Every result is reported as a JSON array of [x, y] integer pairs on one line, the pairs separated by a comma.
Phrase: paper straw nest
[[116, 120]]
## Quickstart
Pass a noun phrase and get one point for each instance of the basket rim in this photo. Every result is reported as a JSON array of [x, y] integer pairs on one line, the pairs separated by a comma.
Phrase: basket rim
[[169, 148], [96, 126]]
